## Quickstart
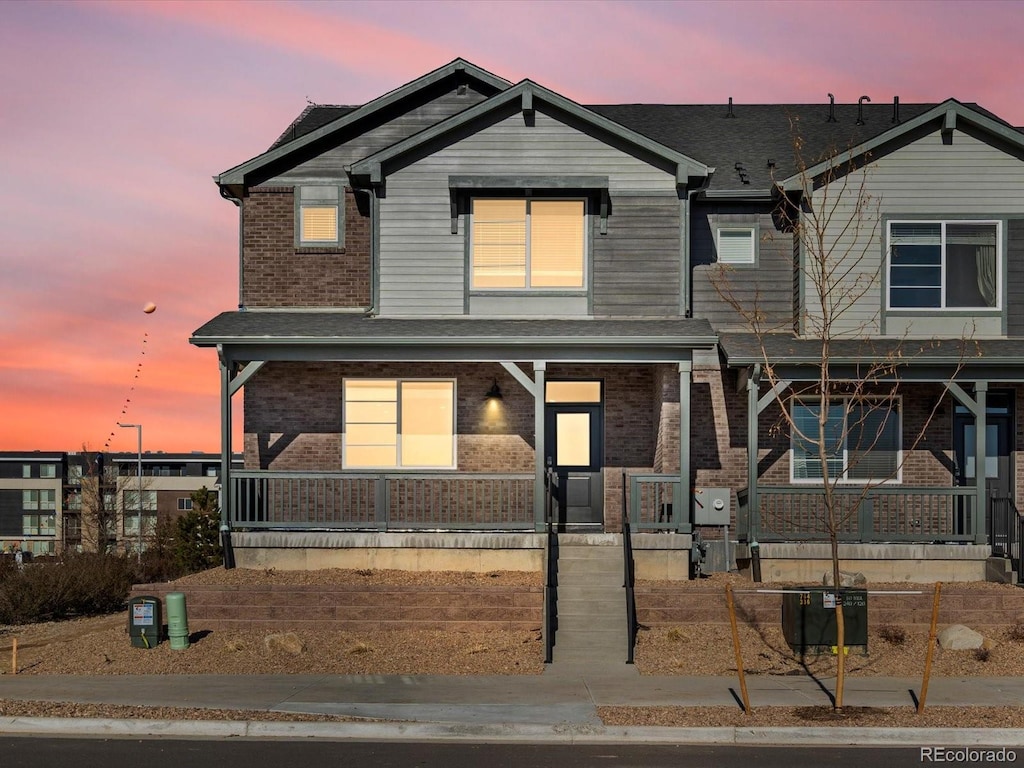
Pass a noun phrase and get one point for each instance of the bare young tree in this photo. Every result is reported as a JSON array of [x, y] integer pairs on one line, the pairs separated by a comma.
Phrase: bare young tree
[[108, 499], [842, 427]]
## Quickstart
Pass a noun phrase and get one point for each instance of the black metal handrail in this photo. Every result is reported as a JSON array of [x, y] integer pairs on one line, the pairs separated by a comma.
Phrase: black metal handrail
[[629, 577], [1005, 529], [551, 577]]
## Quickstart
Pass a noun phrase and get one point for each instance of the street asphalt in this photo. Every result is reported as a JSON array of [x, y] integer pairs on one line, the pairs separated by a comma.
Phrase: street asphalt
[[560, 706]]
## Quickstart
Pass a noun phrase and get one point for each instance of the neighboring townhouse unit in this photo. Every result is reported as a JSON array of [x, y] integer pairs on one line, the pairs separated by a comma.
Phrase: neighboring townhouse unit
[[469, 304], [52, 502]]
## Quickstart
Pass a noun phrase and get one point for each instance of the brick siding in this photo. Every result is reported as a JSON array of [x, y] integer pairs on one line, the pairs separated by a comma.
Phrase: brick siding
[[279, 274]]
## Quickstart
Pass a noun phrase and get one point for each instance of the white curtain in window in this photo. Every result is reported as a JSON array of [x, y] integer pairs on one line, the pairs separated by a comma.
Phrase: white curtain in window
[[986, 261]]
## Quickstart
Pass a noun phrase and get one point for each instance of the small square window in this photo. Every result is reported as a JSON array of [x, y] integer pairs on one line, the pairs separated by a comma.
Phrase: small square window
[[736, 245], [48, 470], [319, 219], [184, 504]]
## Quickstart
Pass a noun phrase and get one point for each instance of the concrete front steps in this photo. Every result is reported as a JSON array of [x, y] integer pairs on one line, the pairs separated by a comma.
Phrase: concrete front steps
[[592, 630]]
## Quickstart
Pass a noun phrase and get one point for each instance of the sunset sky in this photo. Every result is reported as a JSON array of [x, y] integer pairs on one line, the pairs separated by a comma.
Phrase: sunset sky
[[114, 116]]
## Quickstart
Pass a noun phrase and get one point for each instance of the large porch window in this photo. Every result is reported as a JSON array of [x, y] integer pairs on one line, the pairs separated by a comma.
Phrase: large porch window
[[862, 439], [398, 424]]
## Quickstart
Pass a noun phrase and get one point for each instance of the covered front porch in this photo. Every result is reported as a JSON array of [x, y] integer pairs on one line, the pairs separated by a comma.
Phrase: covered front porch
[[952, 408], [546, 419]]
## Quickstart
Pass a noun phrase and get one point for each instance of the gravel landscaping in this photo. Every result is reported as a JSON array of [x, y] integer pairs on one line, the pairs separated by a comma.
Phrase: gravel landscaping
[[101, 646]]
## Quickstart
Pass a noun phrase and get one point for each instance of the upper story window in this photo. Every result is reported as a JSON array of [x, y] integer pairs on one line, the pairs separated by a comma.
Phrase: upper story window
[[48, 470], [736, 245], [398, 423], [944, 264], [320, 220], [525, 244], [39, 499], [862, 441]]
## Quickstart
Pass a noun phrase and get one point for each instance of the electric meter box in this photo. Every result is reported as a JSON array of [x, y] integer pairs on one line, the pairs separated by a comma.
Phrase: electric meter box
[[809, 618], [711, 506], [145, 621]]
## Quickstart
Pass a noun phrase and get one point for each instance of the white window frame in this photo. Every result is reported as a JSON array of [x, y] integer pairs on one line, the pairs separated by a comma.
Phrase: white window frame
[[337, 202], [1000, 262], [845, 479], [527, 288], [184, 504], [750, 258], [398, 467]]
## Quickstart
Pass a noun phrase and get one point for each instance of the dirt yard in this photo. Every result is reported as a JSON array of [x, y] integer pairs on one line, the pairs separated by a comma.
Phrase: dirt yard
[[101, 646]]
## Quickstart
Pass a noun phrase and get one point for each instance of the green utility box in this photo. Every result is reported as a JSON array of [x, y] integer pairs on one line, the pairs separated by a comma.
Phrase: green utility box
[[809, 618], [144, 621]]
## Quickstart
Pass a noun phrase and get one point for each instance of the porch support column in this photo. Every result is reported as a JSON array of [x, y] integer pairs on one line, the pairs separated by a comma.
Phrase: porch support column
[[980, 462], [683, 520], [540, 453], [753, 509], [978, 406], [226, 495], [756, 403]]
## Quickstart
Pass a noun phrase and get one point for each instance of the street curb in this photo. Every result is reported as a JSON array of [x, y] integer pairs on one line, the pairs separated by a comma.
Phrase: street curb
[[565, 733]]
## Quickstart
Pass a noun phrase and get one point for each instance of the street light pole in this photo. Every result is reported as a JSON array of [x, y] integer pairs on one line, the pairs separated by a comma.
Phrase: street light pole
[[139, 428]]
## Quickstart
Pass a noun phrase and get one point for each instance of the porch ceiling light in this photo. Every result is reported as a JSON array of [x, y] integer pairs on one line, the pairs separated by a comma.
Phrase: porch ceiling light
[[494, 393]]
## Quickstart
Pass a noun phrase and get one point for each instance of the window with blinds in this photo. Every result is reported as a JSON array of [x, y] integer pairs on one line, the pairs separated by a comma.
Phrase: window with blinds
[[398, 423], [319, 215], [944, 264], [862, 441], [528, 244], [736, 245]]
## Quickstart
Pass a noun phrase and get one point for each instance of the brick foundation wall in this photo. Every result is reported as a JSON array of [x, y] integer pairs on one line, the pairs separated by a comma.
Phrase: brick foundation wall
[[356, 608], [279, 274]]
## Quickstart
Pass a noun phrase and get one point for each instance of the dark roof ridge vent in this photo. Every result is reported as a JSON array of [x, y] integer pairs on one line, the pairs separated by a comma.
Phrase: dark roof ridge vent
[[896, 109], [860, 108], [730, 112], [831, 109]]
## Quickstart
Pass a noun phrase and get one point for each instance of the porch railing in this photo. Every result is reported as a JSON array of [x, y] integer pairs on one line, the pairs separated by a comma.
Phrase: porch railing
[[381, 502], [1006, 530], [656, 504], [881, 514]]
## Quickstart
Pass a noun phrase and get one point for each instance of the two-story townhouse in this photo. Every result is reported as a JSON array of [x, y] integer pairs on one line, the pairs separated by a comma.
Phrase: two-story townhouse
[[469, 302]]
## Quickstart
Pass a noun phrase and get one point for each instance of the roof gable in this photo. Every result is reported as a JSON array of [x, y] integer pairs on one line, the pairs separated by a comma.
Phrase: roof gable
[[944, 117], [346, 116], [528, 94]]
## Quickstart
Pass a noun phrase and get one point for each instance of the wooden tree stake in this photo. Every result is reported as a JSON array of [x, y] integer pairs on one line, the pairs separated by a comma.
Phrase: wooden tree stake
[[931, 648], [736, 648]]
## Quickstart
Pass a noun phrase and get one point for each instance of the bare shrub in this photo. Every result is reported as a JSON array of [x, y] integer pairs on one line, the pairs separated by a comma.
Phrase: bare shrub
[[892, 634]]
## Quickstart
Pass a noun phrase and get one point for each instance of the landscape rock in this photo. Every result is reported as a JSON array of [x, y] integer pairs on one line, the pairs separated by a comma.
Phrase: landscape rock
[[846, 579], [286, 642], [957, 637]]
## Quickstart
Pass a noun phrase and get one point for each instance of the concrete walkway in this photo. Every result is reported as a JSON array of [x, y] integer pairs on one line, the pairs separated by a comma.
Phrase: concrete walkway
[[560, 704]]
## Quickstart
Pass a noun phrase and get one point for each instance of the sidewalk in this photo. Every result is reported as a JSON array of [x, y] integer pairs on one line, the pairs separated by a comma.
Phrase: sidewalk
[[558, 705]]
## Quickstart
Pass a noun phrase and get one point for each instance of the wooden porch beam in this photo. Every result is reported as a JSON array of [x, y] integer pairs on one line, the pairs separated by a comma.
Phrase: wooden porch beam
[[519, 375], [241, 378]]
